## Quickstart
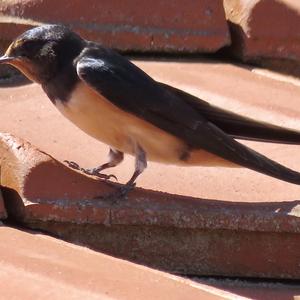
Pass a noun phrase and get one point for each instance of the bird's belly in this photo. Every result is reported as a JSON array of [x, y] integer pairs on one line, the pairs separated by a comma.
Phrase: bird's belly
[[101, 119]]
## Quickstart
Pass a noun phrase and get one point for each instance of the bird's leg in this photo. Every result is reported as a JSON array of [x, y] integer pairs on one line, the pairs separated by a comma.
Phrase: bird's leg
[[115, 158], [140, 166]]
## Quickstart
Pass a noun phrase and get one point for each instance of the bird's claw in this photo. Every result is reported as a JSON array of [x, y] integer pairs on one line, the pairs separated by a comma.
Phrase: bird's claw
[[72, 165], [118, 194], [92, 172], [125, 189], [96, 172]]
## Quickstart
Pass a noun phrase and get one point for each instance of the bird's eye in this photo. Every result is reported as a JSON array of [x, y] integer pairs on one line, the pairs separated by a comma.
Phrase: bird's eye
[[28, 48], [31, 46]]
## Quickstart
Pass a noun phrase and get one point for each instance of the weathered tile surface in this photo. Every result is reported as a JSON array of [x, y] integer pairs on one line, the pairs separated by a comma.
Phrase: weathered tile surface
[[266, 32], [170, 26]]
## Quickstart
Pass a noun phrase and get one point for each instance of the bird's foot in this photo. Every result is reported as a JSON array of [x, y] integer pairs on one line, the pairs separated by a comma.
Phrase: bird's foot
[[93, 172], [125, 189], [96, 172], [72, 165], [118, 194]]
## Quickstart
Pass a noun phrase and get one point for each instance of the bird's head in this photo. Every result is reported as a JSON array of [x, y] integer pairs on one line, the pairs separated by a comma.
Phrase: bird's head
[[41, 52]]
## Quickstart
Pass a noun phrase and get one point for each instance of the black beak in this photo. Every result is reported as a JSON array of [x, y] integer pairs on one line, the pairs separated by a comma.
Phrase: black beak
[[6, 59]]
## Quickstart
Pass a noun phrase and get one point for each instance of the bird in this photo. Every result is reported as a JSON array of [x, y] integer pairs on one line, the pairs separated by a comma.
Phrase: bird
[[114, 101]]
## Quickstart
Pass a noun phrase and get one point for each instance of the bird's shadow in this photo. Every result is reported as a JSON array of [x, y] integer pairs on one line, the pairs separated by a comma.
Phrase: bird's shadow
[[155, 205]]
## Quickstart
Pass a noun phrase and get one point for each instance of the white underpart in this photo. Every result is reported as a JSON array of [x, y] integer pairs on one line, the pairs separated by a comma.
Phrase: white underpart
[[107, 123]]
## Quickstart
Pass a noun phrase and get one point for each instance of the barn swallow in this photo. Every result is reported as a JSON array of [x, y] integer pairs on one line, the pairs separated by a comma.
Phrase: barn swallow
[[114, 101]]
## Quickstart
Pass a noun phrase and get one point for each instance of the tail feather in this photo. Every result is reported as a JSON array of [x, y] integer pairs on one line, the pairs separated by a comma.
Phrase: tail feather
[[217, 137], [238, 126], [251, 159], [273, 168]]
